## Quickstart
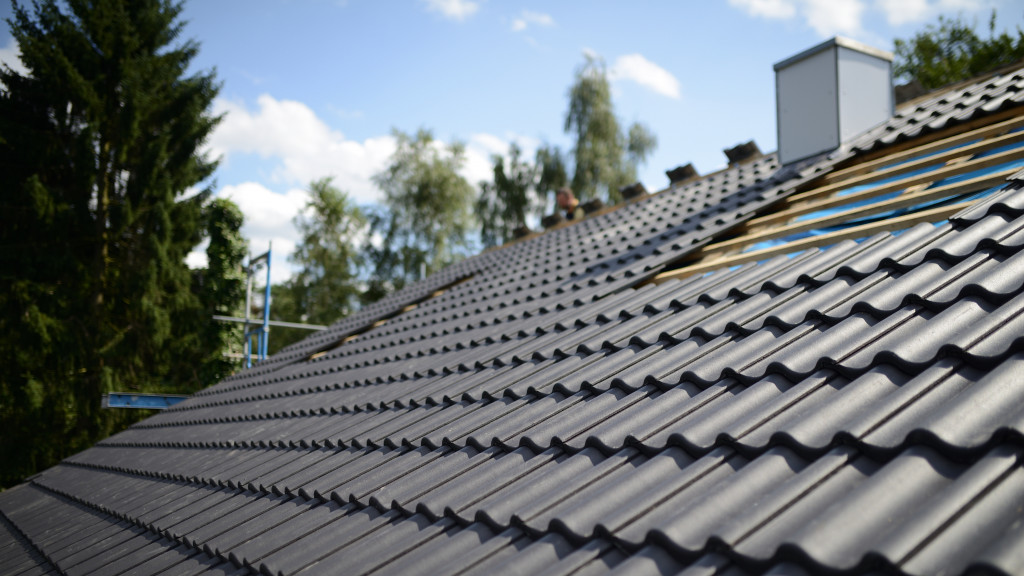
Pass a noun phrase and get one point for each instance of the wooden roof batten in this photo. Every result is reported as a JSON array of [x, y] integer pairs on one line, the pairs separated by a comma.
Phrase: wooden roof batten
[[953, 152]]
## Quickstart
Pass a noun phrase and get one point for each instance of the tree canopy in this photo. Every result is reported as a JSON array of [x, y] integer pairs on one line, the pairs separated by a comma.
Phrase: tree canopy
[[329, 256], [551, 166], [951, 51], [101, 142], [605, 158], [332, 228], [428, 212], [505, 202]]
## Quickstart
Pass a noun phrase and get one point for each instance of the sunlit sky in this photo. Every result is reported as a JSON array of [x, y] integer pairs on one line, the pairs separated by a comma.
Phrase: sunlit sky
[[314, 88]]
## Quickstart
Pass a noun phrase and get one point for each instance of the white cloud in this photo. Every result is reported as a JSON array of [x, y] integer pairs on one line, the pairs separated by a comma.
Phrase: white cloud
[[197, 257], [305, 147], [268, 218], [645, 73], [526, 18], [831, 17], [11, 56], [900, 12], [826, 17], [477, 166], [489, 143], [452, 9], [479, 150], [482, 147], [771, 9]]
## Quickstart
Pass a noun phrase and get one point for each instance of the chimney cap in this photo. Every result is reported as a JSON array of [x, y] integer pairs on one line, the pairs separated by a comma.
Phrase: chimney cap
[[836, 41], [681, 173], [552, 220], [591, 206], [742, 153], [632, 191]]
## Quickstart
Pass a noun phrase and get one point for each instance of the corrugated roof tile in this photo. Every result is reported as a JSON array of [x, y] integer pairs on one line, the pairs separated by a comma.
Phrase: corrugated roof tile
[[847, 409]]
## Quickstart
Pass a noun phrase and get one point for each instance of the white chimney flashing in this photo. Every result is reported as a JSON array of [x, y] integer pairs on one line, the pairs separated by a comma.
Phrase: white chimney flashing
[[836, 41], [828, 94]]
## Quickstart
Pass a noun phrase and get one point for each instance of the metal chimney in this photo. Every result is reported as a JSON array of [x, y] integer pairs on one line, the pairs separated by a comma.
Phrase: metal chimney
[[828, 94]]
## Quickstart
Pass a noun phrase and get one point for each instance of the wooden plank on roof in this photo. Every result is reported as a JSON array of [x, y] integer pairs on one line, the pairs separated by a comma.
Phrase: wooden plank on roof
[[952, 129], [999, 130], [808, 202], [901, 201], [853, 233], [910, 166]]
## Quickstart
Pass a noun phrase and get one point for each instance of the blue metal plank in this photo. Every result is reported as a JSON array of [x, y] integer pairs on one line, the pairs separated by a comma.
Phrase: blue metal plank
[[149, 401]]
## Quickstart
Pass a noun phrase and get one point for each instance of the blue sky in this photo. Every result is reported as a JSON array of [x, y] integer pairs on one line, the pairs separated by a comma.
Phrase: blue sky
[[313, 88]]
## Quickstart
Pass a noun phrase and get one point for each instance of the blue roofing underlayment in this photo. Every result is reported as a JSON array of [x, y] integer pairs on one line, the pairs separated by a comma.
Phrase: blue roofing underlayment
[[540, 409]]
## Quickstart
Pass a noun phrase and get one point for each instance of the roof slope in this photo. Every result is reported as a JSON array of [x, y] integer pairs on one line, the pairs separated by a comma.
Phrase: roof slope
[[542, 409]]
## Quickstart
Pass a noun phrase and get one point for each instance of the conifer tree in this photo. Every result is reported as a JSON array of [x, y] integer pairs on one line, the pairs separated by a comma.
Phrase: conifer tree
[[220, 288], [101, 141]]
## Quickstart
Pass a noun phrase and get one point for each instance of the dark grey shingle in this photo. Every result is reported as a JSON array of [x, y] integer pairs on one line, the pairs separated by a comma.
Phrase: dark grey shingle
[[855, 408]]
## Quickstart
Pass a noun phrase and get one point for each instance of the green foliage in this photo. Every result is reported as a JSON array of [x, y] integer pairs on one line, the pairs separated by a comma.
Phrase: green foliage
[[100, 142], [224, 277], [326, 287], [328, 256], [640, 142], [604, 158], [221, 291], [428, 213], [284, 307], [951, 51], [504, 204], [551, 165]]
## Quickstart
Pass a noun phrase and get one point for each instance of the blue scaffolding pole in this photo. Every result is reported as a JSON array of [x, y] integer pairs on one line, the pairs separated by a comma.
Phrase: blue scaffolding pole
[[136, 400], [261, 331], [252, 329]]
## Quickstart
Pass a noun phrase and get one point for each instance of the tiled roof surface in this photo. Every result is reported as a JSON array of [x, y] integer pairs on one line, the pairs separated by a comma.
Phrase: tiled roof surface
[[944, 109], [541, 410]]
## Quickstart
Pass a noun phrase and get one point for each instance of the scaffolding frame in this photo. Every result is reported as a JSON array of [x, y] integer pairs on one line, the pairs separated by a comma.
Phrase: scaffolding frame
[[260, 331]]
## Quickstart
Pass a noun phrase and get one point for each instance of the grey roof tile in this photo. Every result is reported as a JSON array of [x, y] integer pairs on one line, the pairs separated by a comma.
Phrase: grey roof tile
[[167, 559], [20, 556], [430, 557], [532, 558], [124, 558], [849, 409], [203, 564], [345, 528], [307, 519], [392, 540], [649, 560]]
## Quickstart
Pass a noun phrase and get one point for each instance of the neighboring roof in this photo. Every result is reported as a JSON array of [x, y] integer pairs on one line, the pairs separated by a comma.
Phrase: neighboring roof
[[570, 404]]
